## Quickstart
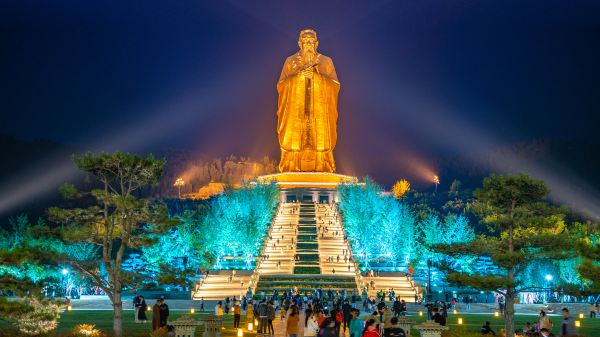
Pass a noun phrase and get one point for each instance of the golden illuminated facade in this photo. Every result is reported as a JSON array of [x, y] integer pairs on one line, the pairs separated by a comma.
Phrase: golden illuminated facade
[[307, 109]]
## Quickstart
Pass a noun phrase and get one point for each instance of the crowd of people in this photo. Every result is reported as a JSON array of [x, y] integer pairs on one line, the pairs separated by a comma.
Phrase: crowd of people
[[325, 318], [328, 315]]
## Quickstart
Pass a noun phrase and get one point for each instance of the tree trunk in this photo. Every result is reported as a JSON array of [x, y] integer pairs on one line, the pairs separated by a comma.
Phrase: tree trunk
[[509, 314], [117, 314]]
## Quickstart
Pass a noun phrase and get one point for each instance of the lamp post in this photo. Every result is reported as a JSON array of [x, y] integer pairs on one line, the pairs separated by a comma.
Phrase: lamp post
[[549, 280], [429, 294], [179, 182], [436, 181], [64, 284]]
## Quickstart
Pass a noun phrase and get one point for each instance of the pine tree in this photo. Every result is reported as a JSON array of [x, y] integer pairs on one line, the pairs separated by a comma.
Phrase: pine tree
[[523, 227], [116, 221]]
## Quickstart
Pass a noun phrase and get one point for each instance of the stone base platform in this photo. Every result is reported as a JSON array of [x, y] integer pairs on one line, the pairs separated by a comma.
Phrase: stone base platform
[[308, 179]]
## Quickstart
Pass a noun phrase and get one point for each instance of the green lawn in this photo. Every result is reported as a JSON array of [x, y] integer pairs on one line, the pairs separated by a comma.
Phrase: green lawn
[[103, 320]]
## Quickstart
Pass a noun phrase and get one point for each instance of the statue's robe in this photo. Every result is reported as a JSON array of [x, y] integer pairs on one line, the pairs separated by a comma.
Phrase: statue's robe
[[307, 121]]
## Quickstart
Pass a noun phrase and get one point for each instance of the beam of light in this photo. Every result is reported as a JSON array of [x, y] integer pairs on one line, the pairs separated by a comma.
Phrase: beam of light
[[165, 121], [444, 127]]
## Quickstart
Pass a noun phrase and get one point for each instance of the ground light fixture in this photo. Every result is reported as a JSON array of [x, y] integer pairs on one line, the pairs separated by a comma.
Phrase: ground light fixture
[[460, 321], [240, 333]]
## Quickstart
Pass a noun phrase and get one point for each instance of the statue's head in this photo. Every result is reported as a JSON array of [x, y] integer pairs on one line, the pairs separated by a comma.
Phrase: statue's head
[[307, 41]]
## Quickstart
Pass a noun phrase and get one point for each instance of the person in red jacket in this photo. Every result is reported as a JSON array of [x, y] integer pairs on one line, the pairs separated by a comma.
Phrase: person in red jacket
[[370, 329]]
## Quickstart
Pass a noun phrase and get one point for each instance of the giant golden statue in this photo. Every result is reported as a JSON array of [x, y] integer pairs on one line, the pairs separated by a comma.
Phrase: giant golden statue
[[307, 109]]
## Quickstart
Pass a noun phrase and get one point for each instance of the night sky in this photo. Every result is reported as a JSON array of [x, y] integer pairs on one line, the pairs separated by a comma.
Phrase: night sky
[[418, 78]]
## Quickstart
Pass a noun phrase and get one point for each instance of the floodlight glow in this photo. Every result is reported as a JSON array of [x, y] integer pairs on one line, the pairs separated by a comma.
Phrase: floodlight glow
[[65, 271], [549, 277]]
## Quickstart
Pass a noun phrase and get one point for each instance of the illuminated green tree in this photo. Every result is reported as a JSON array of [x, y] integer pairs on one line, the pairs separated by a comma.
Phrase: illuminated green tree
[[115, 221], [525, 227]]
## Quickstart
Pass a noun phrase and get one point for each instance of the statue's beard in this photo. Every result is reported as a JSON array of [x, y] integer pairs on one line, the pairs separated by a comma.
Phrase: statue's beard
[[309, 56]]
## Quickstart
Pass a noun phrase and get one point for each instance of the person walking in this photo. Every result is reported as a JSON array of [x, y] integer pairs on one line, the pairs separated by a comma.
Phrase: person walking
[[292, 322], [141, 310], [237, 313], [346, 312], [567, 328]]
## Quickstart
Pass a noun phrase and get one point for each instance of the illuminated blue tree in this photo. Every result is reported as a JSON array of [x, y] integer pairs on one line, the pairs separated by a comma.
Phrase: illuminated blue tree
[[237, 222], [378, 225]]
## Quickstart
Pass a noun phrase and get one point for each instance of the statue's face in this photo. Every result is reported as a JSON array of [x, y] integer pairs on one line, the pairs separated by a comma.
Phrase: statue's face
[[308, 43]]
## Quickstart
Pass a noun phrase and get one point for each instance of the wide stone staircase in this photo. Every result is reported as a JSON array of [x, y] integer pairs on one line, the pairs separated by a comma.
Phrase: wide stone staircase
[[333, 248], [402, 286], [319, 235], [306, 250], [280, 247], [222, 283]]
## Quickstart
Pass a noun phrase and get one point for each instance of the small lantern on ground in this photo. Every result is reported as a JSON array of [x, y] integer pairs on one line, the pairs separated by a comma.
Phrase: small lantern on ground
[[460, 321]]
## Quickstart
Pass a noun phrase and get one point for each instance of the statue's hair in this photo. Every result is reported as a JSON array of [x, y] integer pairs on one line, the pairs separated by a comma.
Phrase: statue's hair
[[307, 32]]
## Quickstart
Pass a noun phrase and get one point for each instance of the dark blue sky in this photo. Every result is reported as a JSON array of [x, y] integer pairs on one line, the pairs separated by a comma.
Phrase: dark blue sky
[[418, 78]]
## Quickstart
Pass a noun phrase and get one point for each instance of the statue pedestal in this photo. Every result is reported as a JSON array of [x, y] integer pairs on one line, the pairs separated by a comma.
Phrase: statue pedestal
[[318, 187], [308, 179]]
